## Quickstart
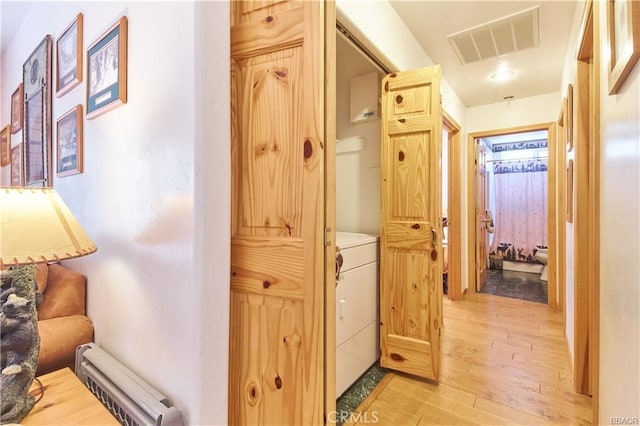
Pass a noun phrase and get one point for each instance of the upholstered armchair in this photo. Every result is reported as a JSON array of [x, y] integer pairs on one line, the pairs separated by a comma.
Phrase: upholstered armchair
[[62, 321]]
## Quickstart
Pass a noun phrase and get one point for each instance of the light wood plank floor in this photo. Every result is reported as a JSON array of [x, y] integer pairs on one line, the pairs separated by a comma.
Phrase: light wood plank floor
[[504, 362]]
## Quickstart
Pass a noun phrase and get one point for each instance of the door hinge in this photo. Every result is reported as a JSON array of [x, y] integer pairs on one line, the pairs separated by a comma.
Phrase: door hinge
[[327, 242]]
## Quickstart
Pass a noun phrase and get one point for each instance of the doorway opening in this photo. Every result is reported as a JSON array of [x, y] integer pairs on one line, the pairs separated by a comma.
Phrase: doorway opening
[[358, 188], [512, 181]]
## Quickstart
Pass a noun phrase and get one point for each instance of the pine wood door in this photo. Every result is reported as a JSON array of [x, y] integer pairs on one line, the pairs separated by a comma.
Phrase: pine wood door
[[481, 215], [277, 246], [411, 234]]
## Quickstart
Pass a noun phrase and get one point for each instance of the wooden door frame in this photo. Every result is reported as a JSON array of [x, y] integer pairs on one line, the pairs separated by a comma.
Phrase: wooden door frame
[[454, 206], [561, 208], [550, 127], [330, 212], [477, 151], [588, 148]]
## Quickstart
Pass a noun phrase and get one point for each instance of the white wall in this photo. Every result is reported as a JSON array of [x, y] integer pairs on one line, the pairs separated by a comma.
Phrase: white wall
[[156, 170], [569, 77], [619, 244], [514, 113], [357, 173]]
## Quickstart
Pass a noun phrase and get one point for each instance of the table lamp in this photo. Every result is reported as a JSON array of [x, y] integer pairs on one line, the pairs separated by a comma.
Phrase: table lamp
[[35, 227]]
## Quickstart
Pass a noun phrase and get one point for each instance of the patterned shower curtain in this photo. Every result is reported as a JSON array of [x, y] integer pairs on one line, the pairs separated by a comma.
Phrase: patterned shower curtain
[[521, 209]]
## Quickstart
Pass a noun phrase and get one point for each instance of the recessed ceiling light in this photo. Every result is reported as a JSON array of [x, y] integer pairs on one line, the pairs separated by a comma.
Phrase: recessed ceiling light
[[503, 75]]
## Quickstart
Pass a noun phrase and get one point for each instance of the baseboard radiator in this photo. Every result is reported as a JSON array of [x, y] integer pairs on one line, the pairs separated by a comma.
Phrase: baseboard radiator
[[129, 398]]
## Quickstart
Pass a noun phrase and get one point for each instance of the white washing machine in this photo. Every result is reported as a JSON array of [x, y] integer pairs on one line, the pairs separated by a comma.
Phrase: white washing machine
[[357, 330]]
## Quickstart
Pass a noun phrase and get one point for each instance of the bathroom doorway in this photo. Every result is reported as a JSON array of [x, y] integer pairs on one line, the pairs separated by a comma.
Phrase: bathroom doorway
[[513, 181]]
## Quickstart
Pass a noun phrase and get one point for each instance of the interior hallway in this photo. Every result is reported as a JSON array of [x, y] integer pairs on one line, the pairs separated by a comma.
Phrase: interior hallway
[[504, 362]]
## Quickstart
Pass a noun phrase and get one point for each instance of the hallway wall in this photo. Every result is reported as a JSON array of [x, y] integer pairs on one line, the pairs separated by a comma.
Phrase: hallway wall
[[155, 192], [619, 244], [517, 112]]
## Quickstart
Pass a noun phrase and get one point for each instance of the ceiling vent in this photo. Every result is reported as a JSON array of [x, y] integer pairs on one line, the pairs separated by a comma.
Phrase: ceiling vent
[[505, 35]]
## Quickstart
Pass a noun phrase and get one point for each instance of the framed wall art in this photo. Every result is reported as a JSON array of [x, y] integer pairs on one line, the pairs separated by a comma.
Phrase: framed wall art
[[69, 142], [17, 100], [69, 57], [107, 70], [623, 28], [36, 132], [569, 191], [5, 146], [569, 120], [16, 166]]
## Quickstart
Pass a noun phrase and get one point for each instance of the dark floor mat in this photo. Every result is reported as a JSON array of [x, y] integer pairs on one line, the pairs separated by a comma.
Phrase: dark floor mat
[[518, 285]]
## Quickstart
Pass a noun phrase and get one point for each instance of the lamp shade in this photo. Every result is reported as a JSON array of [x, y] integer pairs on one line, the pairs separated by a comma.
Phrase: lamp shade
[[36, 226]]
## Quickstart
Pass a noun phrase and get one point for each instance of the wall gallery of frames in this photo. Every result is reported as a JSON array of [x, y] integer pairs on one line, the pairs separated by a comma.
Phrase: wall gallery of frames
[[62, 61]]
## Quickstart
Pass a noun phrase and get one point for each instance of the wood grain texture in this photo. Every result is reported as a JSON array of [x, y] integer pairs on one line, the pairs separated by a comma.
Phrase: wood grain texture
[[481, 214], [66, 401], [595, 157], [454, 209], [277, 351], [561, 207], [504, 362], [553, 218], [411, 242], [582, 243], [330, 209]]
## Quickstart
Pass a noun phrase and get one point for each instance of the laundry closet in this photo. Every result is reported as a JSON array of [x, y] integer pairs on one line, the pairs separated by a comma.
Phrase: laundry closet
[[357, 213]]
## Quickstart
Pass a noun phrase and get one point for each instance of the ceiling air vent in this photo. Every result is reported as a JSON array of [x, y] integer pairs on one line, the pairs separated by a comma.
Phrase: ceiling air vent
[[505, 35]]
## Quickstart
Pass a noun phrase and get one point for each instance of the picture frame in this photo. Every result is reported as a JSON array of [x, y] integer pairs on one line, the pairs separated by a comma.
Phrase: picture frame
[[36, 131], [561, 139], [5, 145], [107, 70], [569, 120], [17, 177], [69, 142], [17, 105], [623, 33], [569, 181], [69, 57]]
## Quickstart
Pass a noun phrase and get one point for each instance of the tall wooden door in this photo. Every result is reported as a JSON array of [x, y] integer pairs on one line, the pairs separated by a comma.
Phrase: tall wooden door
[[481, 214], [277, 245], [411, 234]]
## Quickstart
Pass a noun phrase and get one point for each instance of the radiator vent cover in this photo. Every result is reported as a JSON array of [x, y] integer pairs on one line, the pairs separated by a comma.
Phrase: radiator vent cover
[[131, 400], [505, 35]]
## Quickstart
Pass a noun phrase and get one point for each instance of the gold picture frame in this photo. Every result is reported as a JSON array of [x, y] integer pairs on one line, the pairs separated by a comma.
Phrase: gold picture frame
[[17, 177], [17, 108], [69, 57], [69, 141], [5, 145], [107, 70], [570, 191], [569, 120], [623, 31]]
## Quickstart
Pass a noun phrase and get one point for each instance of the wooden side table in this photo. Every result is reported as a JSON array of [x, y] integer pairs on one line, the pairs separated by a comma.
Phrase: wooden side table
[[66, 401]]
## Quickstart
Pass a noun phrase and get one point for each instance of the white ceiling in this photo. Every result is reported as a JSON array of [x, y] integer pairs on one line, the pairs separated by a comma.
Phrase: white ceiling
[[12, 14], [536, 70]]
